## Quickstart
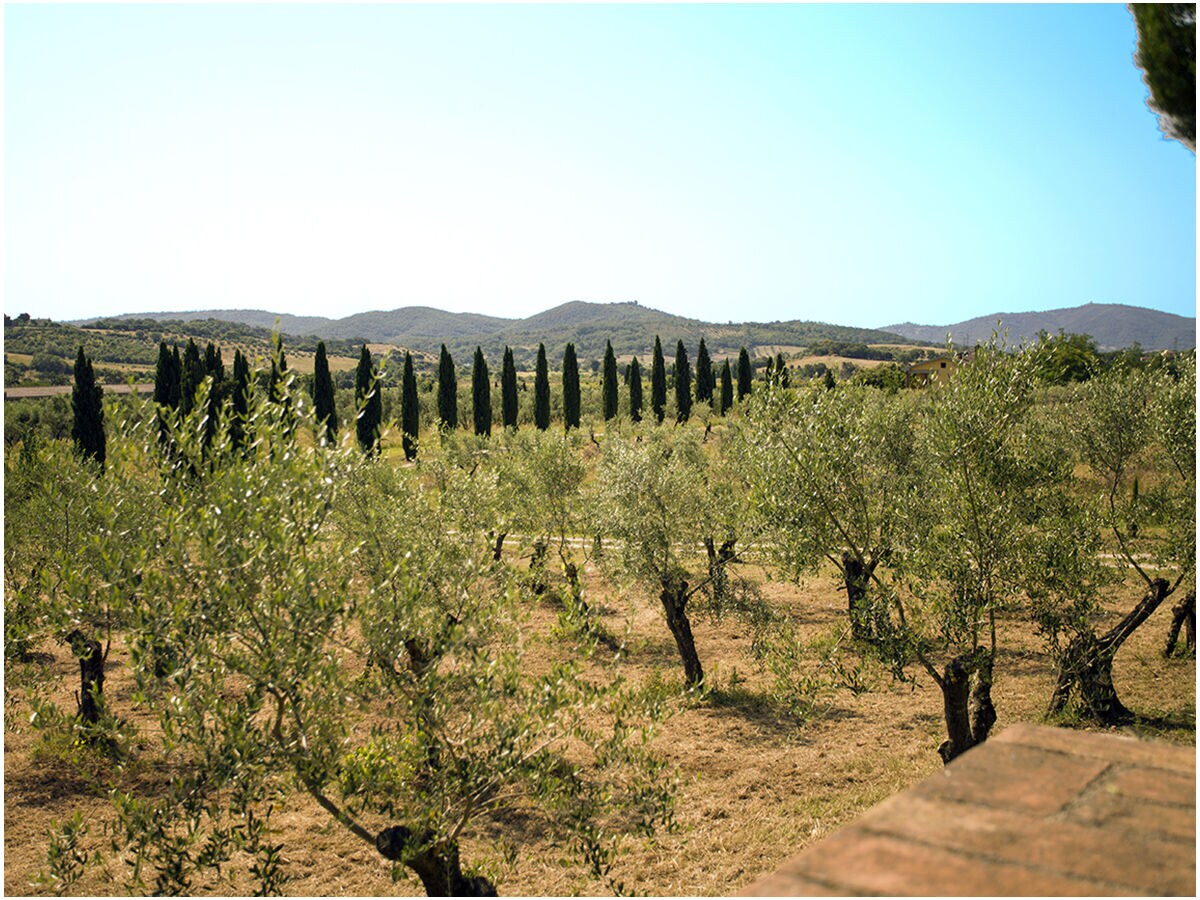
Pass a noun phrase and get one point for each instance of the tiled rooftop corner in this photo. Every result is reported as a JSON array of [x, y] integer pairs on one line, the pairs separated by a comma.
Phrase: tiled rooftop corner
[[1034, 811]]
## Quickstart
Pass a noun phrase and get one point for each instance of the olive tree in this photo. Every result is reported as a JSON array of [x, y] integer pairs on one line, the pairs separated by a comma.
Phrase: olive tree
[[1133, 424], [832, 475], [651, 499], [308, 620]]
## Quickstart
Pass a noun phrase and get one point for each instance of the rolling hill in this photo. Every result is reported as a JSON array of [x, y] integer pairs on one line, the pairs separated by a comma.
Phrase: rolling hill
[[1111, 325], [630, 326]]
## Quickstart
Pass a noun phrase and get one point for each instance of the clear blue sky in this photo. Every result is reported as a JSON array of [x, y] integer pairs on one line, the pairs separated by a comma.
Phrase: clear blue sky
[[862, 165]]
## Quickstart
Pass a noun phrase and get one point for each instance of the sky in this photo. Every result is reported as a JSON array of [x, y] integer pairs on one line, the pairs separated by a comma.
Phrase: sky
[[859, 165]]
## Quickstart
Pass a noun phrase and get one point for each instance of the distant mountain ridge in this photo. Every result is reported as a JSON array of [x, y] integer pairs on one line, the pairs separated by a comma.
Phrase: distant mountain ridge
[[630, 326], [1111, 325]]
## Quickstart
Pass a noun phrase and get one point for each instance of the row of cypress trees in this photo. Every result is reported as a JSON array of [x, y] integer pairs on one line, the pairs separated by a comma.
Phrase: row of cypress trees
[[706, 387], [178, 376]]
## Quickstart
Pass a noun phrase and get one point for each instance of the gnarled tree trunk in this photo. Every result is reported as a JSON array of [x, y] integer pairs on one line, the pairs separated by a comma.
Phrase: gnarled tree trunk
[[1085, 667], [674, 600], [718, 560], [436, 864], [857, 574], [966, 685], [1183, 614], [537, 567], [91, 676]]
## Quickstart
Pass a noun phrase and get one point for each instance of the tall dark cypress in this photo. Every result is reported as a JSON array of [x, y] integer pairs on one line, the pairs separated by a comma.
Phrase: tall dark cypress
[[322, 394], [213, 364], [447, 390], [745, 374], [610, 382], [726, 388], [570, 382], [278, 370], [683, 385], [635, 390], [481, 394], [508, 390], [239, 400], [410, 410], [658, 382], [190, 377], [705, 383], [369, 403], [781, 370], [541, 391], [177, 368], [87, 428], [166, 385]]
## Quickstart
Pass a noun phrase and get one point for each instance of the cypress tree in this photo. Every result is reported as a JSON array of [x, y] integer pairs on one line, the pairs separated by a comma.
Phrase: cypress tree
[[705, 383], [322, 394], [447, 390], [240, 400], [827, 380], [410, 409], [745, 374], [278, 370], [781, 370], [726, 388], [570, 382], [481, 394], [635, 390], [541, 391], [683, 385], [190, 377], [213, 364], [166, 385], [658, 382], [508, 390], [369, 403], [177, 369], [87, 428], [610, 382]]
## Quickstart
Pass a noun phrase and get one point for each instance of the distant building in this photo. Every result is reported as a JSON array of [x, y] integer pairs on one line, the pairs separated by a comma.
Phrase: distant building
[[930, 371]]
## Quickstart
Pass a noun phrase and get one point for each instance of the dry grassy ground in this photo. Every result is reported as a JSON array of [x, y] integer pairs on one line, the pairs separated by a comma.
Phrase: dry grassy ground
[[755, 785]]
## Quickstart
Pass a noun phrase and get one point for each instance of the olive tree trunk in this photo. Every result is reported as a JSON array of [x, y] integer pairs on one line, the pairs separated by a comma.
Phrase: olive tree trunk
[[674, 600], [91, 676], [719, 559], [857, 575], [1085, 667], [966, 685], [1183, 616], [435, 863]]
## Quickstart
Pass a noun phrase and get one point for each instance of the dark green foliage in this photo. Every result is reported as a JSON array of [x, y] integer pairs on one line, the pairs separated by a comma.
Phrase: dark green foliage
[[570, 381], [726, 388], [658, 382], [781, 370], [322, 393], [634, 374], [1066, 357], [447, 390], [166, 385], [705, 383], [1166, 52], [213, 364], [368, 399], [87, 431], [745, 374], [508, 390], [827, 380], [481, 394], [239, 400], [541, 391], [278, 371], [190, 377], [610, 382], [683, 385], [410, 410]]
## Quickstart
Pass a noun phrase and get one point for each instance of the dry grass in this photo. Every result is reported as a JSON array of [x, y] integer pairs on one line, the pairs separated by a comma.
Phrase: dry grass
[[756, 785]]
